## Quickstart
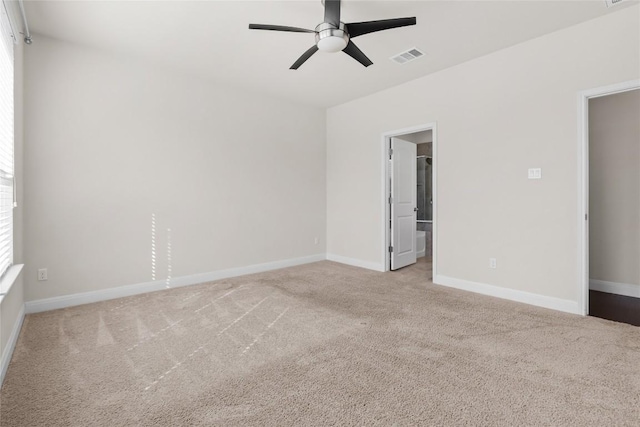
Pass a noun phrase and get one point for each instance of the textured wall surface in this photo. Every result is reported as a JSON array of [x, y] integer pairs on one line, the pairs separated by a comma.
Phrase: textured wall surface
[[496, 117], [122, 156]]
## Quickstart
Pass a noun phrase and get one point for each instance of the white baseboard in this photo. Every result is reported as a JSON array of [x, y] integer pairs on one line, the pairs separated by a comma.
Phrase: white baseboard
[[356, 262], [625, 289], [420, 254], [11, 345], [553, 303], [64, 301]]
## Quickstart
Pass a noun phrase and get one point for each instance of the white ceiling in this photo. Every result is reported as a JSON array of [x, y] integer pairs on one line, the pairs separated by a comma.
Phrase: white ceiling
[[211, 38]]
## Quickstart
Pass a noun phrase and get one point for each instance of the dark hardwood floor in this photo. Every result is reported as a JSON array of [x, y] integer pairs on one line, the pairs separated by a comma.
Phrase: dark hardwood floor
[[618, 308]]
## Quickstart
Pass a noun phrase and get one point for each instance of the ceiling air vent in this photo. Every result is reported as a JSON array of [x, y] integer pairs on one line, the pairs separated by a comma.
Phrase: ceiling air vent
[[613, 2], [411, 54]]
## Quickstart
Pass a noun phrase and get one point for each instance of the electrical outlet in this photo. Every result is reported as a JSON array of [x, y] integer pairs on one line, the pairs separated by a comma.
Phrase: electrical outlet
[[42, 274], [493, 263]]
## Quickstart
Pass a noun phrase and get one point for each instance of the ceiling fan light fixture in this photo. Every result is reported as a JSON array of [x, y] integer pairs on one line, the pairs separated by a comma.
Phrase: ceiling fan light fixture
[[331, 39], [332, 44]]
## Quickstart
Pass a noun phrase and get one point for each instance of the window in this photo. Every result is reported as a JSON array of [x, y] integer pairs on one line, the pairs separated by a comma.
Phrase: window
[[7, 195]]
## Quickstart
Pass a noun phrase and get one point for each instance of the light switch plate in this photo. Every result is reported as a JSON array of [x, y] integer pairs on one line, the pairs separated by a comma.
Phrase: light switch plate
[[535, 173]]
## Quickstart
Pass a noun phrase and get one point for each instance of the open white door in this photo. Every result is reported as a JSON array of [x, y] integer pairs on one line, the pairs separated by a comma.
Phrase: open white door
[[403, 203]]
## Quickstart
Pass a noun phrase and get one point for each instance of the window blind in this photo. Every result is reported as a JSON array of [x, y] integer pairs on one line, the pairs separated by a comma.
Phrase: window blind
[[6, 143]]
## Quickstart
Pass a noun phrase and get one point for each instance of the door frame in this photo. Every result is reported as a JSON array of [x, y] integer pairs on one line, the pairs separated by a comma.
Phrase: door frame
[[386, 189], [583, 182]]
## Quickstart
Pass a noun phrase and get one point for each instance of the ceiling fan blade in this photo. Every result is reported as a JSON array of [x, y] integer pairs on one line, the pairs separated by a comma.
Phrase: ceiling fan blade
[[332, 12], [279, 28], [313, 49], [353, 51], [356, 29]]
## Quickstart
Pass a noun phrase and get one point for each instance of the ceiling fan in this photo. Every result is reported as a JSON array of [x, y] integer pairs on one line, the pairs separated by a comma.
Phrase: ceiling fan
[[332, 35]]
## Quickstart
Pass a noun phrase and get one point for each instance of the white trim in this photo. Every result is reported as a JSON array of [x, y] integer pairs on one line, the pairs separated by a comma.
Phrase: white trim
[[538, 300], [158, 285], [356, 262], [420, 254], [9, 278], [11, 345], [626, 289], [583, 182], [386, 190], [434, 198]]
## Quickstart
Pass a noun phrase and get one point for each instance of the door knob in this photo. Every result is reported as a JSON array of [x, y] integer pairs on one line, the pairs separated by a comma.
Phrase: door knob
[[415, 209]]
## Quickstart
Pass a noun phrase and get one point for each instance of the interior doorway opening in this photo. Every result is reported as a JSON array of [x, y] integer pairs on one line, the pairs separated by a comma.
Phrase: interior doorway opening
[[410, 224], [609, 212], [614, 207]]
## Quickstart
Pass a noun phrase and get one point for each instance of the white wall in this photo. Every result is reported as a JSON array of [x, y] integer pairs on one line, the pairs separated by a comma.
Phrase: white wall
[[614, 188], [239, 179], [497, 116]]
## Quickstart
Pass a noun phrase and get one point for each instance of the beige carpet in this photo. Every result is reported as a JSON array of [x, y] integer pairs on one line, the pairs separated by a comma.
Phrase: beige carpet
[[321, 344]]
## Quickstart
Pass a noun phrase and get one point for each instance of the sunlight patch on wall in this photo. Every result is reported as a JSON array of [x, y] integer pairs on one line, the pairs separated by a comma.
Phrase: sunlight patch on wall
[[168, 283], [153, 246]]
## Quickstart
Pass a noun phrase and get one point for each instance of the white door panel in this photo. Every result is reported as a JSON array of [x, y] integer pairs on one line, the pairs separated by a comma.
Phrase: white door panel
[[404, 202]]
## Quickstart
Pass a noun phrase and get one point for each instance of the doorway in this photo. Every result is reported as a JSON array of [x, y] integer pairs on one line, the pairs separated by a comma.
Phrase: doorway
[[610, 202], [410, 197]]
